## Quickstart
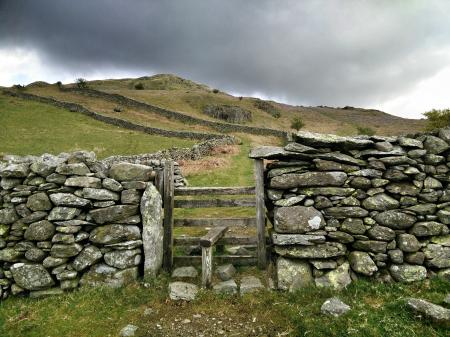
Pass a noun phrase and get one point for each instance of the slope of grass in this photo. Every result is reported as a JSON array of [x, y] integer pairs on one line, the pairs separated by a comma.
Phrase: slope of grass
[[376, 310], [35, 128]]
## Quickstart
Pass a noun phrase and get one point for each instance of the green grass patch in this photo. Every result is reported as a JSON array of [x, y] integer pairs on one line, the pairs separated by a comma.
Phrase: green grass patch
[[36, 128], [376, 310]]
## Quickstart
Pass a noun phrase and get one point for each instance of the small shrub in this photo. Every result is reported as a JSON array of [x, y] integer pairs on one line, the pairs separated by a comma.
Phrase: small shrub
[[81, 83], [437, 118], [297, 123], [139, 86], [215, 91], [267, 107], [240, 98], [363, 130], [59, 85]]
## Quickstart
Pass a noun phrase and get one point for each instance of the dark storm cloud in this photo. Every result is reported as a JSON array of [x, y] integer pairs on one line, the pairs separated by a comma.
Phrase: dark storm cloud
[[313, 52]]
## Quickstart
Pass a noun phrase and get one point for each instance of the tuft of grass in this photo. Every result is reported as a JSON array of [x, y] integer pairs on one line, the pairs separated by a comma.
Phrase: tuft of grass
[[35, 128]]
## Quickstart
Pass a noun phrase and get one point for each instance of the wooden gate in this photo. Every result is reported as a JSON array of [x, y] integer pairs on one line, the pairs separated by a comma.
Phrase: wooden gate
[[217, 236]]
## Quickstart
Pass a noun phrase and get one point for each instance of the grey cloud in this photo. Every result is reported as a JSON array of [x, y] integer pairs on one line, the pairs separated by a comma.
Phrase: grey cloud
[[311, 52]]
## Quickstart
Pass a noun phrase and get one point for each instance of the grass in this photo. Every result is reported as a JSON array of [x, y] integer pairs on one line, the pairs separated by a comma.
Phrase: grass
[[35, 128], [377, 310]]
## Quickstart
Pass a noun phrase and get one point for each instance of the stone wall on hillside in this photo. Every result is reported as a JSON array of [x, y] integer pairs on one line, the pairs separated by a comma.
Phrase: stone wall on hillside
[[344, 208], [70, 220]]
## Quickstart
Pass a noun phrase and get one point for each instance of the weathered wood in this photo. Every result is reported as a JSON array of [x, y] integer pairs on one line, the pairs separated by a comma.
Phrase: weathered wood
[[159, 181], [213, 222], [236, 260], [260, 212], [241, 190], [206, 203], [232, 240], [212, 236], [207, 267], [168, 216]]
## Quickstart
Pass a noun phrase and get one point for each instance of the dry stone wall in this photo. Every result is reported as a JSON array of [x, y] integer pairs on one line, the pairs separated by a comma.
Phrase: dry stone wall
[[69, 221], [344, 208]]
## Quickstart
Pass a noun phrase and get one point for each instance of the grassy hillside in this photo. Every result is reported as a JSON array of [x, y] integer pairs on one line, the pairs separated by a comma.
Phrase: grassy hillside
[[35, 128], [177, 94]]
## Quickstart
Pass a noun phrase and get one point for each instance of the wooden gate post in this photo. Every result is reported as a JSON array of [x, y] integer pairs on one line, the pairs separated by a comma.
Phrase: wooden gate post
[[260, 213], [168, 200]]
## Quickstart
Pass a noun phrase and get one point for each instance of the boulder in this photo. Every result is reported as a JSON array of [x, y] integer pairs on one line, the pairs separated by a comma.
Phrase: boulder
[[88, 256], [353, 226], [152, 230], [334, 307], [293, 274], [435, 145], [346, 212], [370, 246], [128, 331], [226, 287], [99, 194], [39, 202], [8, 216], [320, 251], [292, 180], [31, 276], [185, 272], [395, 219], [69, 200], [79, 169], [362, 263], [437, 256], [63, 251], [338, 278], [381, 233], [128, 171], [123, 258], [103, 275], [408, 243], [427, 228], [250, 284], [114, 233], [297, 219], [40, 231], [380, 202], [14, 170], [435, 313], [182, 291], [408, 273], [113, 213], [63, 213], [226, 272], [112, 185], [92, 182], [330, 140], [402, 188], [10, 254]]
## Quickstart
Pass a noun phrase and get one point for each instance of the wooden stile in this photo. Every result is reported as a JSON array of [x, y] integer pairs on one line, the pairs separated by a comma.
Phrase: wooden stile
[[213, 222], [206, 203], [243, 190]]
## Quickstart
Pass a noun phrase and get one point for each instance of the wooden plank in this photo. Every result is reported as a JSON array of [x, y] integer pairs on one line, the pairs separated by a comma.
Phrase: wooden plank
[[168, 216], [213, 222], [237, 260], [207, 267], [260, 213], [212, 236], [206, 203], [232, 240], [240, 190]]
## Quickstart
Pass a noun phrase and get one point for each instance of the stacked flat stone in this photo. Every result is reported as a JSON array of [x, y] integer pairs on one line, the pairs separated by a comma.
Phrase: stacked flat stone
[[368, 206], [69, 220]]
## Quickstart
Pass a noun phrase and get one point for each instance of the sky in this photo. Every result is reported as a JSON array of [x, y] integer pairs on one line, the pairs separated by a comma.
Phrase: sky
[[392, 55]]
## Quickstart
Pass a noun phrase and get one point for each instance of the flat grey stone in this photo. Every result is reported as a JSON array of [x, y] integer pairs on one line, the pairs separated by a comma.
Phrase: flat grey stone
[[408, 273], [31, 276], [226, 287], [296, 239], [436, 313], [226, 272], [127, 171], [293, 274], [182, 291], [250, 284], [291, 180], [334, 307], [128, 331], [319, 251], [297, 219], [337, 279], [185, 272]]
